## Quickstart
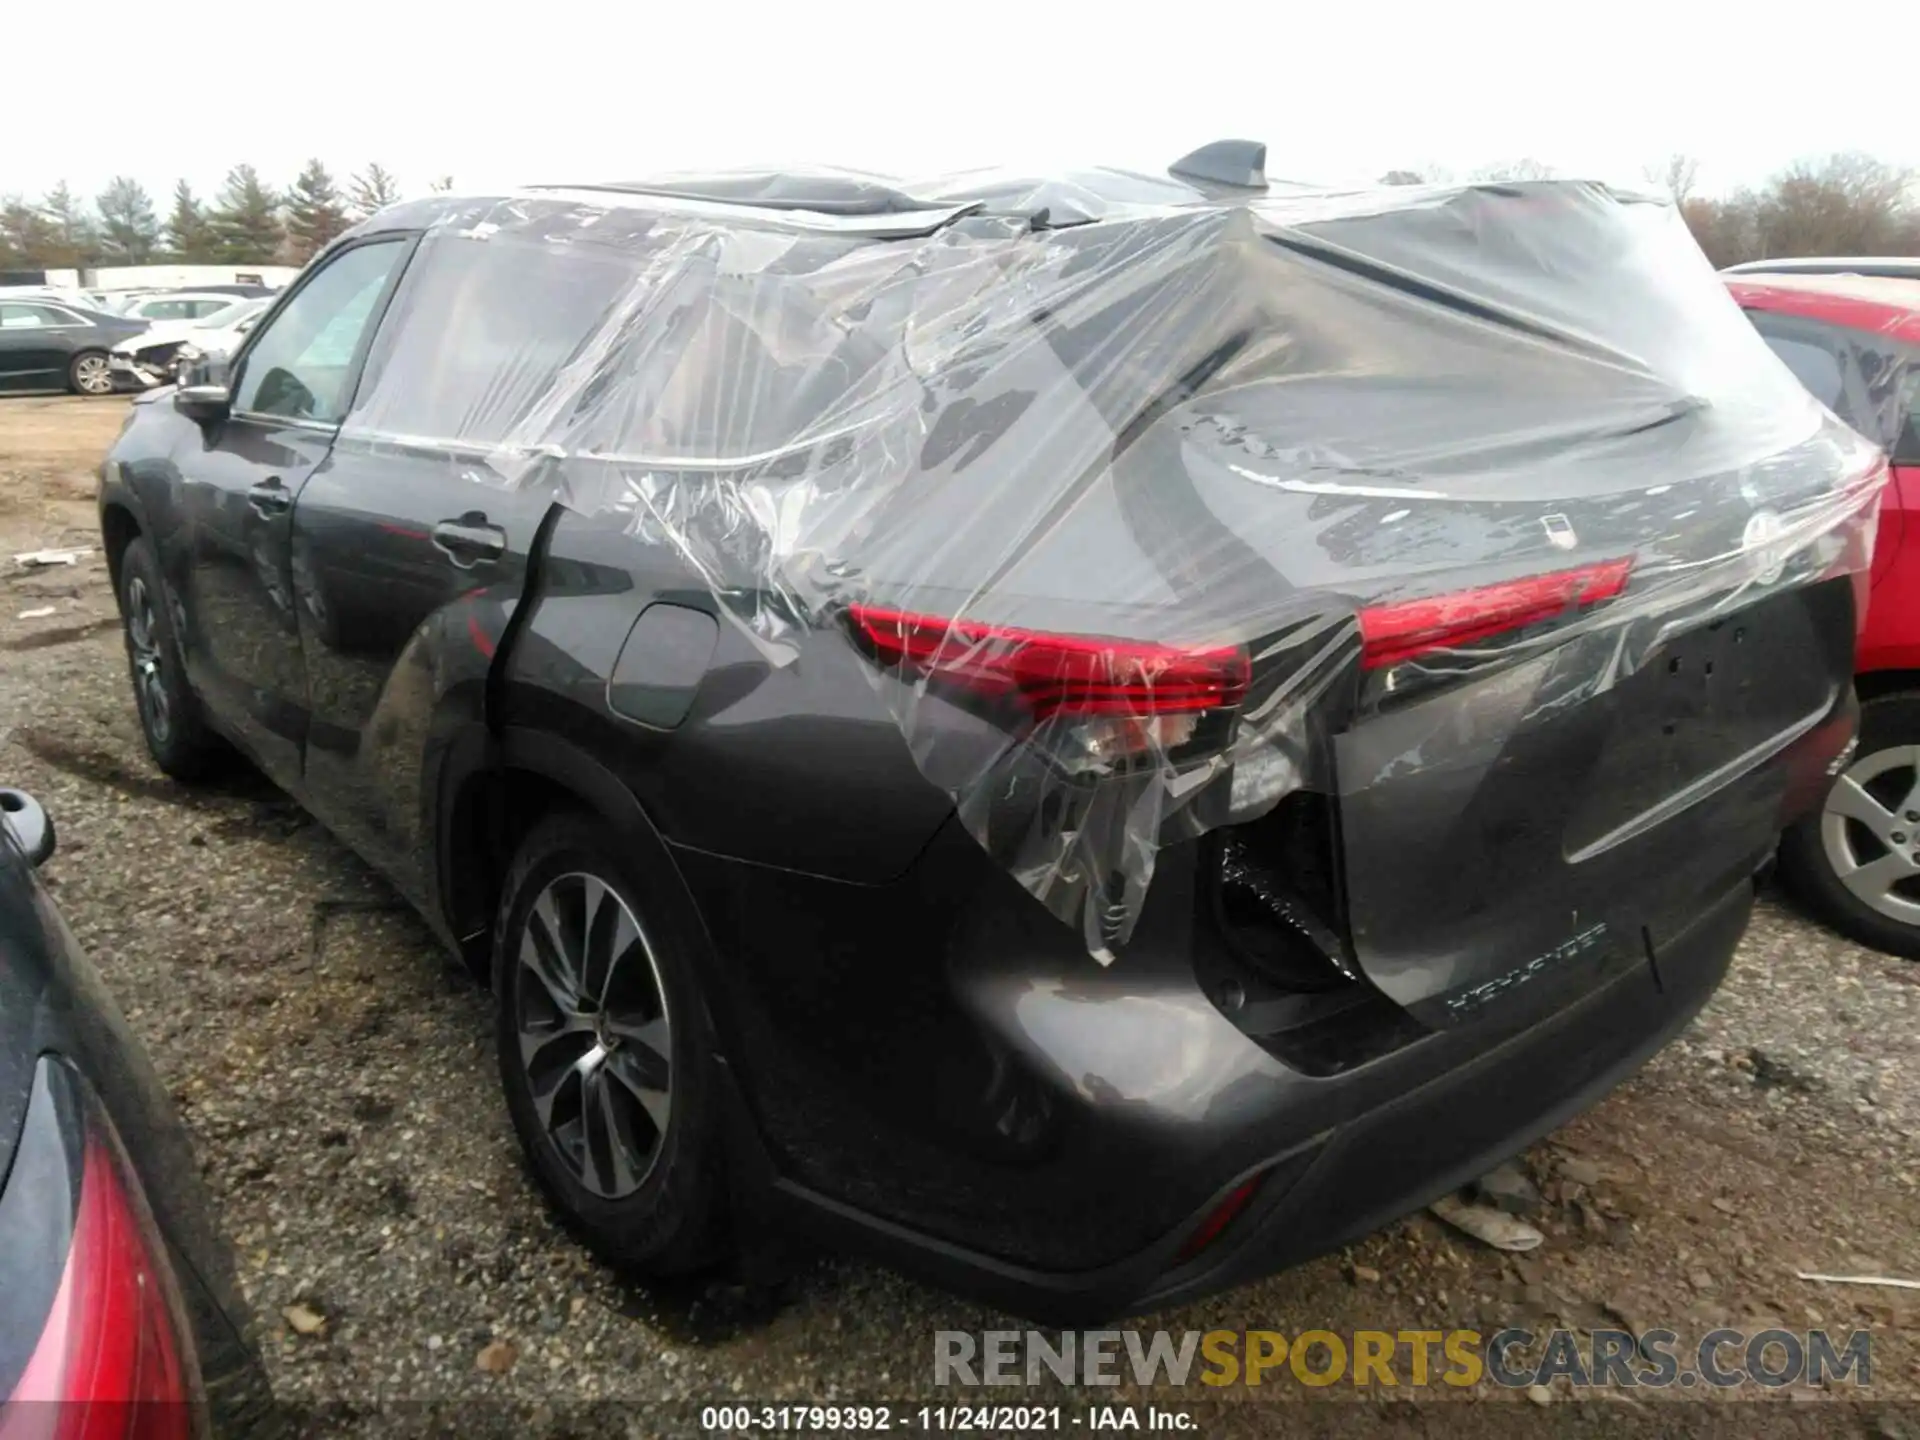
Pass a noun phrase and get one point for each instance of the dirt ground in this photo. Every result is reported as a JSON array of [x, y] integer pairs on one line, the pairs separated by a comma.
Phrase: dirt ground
[[336, 1075]]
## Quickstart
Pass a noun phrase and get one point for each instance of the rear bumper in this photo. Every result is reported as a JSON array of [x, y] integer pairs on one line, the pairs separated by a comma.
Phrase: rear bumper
[[1364, 1173], [935, 1072]]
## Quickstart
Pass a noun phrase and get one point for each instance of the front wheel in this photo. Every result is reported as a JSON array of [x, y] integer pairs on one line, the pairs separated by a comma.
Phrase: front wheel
[[604, 1055], [89, 374], [1856, 861]]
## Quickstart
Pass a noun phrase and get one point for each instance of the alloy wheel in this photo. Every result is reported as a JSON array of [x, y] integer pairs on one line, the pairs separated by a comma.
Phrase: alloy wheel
[[92, 375], [149, 666], [595, 1039], [1870, 831]]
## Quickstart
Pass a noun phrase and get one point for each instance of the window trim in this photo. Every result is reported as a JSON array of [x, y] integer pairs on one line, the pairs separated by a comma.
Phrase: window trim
[[409, 241]]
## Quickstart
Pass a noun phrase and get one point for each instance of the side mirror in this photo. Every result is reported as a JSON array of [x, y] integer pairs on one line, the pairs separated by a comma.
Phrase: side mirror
[[30, 824], [203, 403]]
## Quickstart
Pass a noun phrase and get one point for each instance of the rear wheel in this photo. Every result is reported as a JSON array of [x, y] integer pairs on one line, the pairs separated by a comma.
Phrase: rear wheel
[[89, 374], [177, 735], [603, 1053], [1856, 862]]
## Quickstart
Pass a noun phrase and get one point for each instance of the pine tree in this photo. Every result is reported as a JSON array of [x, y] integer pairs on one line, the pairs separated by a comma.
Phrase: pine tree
[[130, 232], [444, 183], [27, 239], [189, 236], [374, 188], [75, 237], [314, 212], [245, 222]]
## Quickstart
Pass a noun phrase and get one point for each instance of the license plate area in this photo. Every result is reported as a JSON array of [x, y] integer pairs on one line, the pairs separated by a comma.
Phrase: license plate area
[[1724, 691]]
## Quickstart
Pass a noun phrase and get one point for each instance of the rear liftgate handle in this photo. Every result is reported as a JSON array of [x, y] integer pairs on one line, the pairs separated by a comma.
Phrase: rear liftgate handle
[[470, 540]]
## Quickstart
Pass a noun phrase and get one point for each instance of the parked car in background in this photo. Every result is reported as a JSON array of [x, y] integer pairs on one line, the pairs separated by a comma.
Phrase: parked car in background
[[45, 346], [117, 1291], [125, 300], [154, 358], [467, 548], [223, 332], [117, 302], [1854, 340], [1888, 267], [171, 305]]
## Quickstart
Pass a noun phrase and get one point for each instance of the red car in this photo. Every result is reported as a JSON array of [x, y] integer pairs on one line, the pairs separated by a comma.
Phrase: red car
[[1854, 341]]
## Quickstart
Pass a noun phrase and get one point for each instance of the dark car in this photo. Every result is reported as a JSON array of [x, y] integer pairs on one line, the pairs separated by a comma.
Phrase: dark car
[[48, 345], [1854, 341], [117, 1293], [748, 617]]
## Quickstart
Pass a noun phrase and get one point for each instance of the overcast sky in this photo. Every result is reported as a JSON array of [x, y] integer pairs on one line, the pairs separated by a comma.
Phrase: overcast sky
[[564, 90]]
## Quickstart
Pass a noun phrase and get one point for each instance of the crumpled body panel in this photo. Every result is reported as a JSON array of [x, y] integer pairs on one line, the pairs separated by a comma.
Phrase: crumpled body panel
[[1135, 496]]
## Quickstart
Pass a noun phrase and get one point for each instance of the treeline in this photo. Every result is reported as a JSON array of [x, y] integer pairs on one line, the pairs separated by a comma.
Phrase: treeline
[[1848, 204], [248, 223]]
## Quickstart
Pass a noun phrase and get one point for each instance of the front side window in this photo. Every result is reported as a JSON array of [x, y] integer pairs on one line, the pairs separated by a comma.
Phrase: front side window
[[299, 367]]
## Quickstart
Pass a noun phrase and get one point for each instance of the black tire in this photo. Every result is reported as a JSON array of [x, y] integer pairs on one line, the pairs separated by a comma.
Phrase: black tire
[[177, 734], [1808, 866], [87, 374], [675, 1222]]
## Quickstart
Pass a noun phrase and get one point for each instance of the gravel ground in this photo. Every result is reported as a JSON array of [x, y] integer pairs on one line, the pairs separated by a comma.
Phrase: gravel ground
[[336, 1074]]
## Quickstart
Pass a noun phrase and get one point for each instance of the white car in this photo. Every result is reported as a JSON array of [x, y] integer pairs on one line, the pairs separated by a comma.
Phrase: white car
[[154, 357], [166, 305]]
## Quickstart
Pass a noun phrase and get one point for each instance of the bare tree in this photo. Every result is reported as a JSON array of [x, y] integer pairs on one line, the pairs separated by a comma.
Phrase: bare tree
[[1725, 228], [1426, 173], [1525, 168], [1678, 175], [1849, 204]]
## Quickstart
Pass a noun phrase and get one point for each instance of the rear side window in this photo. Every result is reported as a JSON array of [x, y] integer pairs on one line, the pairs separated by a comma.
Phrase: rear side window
[[300, 366], [479, 332], [1865, 378], [1814, 366], [1908, 451], [656, 342], [34, 317]]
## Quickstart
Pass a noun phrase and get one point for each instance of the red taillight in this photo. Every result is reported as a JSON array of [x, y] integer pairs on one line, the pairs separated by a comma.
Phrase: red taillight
[[1219, 1218], [1055, 674], [109, 1357], [1406, 629]]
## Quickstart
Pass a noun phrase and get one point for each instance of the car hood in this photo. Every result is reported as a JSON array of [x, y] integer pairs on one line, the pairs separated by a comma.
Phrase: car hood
[[216, 342], [165, 332]]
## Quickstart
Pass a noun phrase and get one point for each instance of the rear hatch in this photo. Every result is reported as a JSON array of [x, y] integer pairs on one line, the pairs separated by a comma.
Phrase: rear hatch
[[1500, 843], [1539, 559]]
